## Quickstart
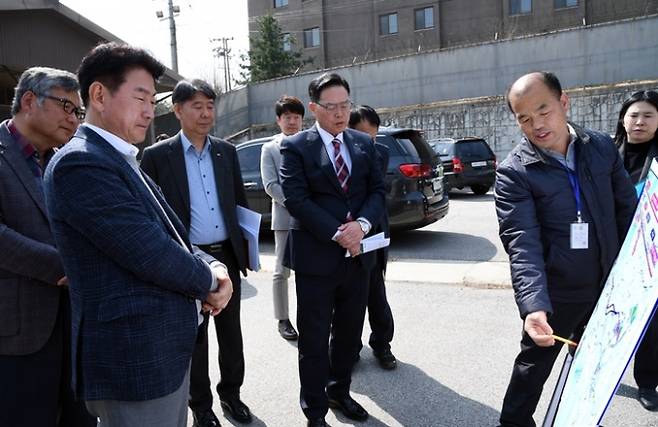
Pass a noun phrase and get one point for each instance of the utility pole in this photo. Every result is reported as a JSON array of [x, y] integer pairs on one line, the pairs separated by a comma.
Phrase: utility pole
[[225, 52], [172, 32]]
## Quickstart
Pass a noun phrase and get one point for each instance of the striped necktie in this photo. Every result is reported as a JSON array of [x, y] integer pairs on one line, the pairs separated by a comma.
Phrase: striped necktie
[[341, 168]]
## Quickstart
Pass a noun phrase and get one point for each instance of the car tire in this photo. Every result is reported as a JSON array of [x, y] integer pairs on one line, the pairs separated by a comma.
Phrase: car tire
[[480, 190]]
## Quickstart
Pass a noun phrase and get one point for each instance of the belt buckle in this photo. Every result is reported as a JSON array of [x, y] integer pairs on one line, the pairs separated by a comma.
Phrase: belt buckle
[[215, 247]]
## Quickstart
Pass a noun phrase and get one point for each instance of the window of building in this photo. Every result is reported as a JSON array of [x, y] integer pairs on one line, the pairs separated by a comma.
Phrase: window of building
[[388, 24], [424, 18], [280, 3], [287, 44], [560, 4], [518, 7], [312, 37]]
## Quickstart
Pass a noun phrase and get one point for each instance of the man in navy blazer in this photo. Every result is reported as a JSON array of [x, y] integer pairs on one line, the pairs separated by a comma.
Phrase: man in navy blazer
[[34, 300], [135, 282], [334, 190]]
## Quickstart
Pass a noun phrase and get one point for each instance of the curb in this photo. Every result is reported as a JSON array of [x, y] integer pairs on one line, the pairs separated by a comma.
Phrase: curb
[[484, 275]]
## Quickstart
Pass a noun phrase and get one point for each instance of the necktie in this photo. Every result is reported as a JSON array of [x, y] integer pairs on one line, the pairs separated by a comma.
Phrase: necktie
[[341, 168]]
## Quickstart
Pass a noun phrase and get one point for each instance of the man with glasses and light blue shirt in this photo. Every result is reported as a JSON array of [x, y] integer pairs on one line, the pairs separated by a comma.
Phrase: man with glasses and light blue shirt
[[334, 190], [200, 177]]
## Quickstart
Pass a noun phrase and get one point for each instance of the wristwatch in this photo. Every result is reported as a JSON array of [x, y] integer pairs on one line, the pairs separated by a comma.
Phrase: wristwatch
[[365, 227]]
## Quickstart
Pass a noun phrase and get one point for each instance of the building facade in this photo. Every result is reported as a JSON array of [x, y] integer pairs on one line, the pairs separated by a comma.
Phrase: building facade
[[342, 32]]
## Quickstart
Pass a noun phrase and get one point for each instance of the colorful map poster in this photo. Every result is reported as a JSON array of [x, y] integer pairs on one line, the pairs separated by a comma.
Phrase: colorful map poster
[[619, 320]]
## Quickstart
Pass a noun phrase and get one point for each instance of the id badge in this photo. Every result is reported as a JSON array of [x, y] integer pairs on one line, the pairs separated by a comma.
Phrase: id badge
[[579, 237]]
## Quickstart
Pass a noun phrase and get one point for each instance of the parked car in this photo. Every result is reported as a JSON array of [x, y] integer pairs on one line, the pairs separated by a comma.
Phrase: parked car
[[414, 179], [467, 162]]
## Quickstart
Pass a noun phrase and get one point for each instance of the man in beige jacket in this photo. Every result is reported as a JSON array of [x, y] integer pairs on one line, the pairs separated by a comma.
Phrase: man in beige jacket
[[289, 116]]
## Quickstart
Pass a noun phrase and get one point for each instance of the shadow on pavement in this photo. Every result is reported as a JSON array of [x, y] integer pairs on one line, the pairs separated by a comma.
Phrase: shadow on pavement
[[440, 245], [413, 398], [248, 290], [627, 391]]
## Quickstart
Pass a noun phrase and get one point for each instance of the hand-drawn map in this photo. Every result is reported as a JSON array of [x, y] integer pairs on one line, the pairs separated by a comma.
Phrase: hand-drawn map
[[619, 320]]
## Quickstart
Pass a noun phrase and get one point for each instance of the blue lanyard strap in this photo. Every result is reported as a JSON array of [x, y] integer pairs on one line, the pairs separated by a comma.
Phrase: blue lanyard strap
[[575, 188]]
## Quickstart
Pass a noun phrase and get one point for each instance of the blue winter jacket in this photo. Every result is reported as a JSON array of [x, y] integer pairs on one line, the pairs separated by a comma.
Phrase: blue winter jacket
[[535, 205]]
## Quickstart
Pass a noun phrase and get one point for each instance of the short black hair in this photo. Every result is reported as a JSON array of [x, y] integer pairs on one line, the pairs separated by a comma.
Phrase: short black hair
[[289, 104], [550, 80], [364, 112], [323, 82], [108, 63], [186, 89]]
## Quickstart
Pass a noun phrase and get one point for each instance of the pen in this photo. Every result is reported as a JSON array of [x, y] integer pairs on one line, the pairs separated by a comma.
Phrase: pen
[[564, 340]]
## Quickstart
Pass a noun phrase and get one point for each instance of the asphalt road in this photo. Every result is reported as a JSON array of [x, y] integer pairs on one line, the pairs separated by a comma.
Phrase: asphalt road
[[455, 344]]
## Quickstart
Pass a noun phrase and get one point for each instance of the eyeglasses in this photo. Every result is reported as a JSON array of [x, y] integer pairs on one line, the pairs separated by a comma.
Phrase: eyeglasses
[[343, 106], [69, 107]]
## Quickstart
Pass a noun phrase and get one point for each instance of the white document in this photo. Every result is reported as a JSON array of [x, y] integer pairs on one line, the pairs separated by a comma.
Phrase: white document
[[372, 243], [250, 225]]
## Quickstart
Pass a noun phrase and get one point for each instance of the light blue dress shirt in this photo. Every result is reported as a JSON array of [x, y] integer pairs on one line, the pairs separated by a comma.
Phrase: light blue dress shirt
[[206, 220]]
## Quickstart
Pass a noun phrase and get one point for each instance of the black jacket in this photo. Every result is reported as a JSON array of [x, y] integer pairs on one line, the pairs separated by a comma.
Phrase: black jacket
[[319, 205], [535, 207]]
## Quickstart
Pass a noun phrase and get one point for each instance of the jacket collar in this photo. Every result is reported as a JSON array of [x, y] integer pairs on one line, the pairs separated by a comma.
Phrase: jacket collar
[[530, 153]]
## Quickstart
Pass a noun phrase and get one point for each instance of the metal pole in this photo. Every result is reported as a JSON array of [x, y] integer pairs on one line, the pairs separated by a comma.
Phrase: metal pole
[[228, 62], [172, 31]]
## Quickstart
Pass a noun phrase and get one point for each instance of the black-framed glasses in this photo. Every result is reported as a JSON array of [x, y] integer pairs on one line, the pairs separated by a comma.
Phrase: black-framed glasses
[[69, 107], [346, 105]]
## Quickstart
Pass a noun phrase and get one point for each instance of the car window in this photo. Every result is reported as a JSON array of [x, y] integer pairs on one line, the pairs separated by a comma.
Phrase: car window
[[391, 143], [442, 148], [249, 158], [408, 147], [473, 150]]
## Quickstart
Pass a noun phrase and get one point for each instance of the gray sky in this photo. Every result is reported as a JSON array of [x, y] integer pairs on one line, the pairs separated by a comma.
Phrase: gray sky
[[135, 22]]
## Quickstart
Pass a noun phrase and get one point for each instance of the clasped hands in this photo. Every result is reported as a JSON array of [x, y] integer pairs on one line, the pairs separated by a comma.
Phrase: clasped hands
[[217, 300], [350, 236]]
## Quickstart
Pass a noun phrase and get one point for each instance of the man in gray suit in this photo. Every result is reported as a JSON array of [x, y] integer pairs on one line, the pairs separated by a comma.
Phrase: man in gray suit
[[35, 321], [289, 116]]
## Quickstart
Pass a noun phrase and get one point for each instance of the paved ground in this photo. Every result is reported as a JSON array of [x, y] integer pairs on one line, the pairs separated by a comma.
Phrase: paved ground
[[455, 346], [457, 333]]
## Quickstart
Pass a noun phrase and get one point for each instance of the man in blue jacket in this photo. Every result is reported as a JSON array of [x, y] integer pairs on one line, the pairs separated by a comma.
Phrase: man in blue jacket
[[564, 203], [135, 281]]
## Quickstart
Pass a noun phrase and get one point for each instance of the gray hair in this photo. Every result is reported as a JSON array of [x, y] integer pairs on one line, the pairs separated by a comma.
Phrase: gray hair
[[40, 81]]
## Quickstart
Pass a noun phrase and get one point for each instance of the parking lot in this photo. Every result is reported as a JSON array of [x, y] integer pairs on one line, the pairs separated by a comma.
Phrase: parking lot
[[455, 341]]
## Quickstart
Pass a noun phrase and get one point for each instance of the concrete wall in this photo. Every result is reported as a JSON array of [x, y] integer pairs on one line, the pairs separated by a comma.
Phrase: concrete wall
[[489, 118], [232, 112], [602, 54], [592, 107]]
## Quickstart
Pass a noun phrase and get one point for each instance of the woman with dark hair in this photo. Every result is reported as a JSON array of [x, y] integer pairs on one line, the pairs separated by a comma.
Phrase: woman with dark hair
[[637, 141]]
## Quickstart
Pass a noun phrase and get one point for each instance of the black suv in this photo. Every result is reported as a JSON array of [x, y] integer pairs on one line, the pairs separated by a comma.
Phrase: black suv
[[414, 179], [467, 162]]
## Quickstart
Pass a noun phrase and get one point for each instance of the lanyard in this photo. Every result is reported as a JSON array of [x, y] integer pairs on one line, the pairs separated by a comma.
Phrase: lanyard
[[575, 188]]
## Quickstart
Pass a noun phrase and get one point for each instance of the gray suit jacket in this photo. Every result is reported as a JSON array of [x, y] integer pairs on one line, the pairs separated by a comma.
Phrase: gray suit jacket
[[30, 265], [270, 163]]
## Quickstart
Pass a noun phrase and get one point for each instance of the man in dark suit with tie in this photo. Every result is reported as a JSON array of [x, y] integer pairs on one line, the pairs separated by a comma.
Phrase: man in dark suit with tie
[[334, 190], [200, 177], [366, 119], [35, 320], [135, 281]]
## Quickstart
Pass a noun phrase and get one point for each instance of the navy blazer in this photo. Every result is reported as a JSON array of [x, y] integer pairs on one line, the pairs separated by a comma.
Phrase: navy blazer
[[29, 262], [133, 286], [164, 162], [319, 205]]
